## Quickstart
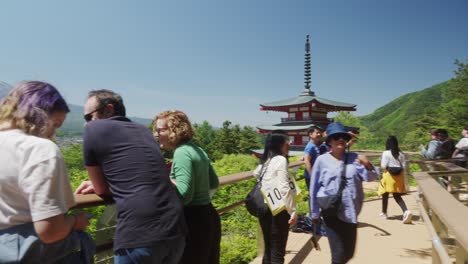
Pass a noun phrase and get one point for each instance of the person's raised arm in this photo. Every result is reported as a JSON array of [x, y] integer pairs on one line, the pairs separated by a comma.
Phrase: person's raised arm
[[182, 170], [384, 161], [308, 163], [98, 180], [366, 169], [58, 227], [214, 180]]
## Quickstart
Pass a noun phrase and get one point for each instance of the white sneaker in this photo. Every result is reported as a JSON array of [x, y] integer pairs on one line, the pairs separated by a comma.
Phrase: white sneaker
[[407, 216], [383, 215]]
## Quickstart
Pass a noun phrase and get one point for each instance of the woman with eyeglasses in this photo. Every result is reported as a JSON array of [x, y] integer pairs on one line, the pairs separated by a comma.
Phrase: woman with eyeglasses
[[194, 178], [35, 192], [326, 179]]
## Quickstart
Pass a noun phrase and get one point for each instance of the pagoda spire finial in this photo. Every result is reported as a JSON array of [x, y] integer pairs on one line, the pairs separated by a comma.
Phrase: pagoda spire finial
[[307, 81]]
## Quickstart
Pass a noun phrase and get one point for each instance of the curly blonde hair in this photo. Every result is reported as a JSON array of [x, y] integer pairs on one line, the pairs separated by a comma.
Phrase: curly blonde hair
[[178, 123]]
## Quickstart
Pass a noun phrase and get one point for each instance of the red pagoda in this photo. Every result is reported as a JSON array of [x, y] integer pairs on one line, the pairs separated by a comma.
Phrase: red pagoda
[[303, 111]]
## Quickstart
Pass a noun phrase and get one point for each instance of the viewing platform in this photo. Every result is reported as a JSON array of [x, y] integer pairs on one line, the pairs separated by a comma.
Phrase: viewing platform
[[437, 235]]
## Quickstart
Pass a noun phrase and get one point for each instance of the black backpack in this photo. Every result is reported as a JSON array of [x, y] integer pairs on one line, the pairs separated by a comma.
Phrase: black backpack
[[446, 148]]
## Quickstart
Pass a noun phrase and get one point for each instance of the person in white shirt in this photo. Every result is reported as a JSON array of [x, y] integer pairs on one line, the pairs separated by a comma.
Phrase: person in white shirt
[[35, 191], [461, 148], [273, 171], [393, 164]]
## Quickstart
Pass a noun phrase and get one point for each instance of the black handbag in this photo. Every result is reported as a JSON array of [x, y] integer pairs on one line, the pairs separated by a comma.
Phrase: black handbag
[[254, 201], [330, 204], [395, 171]]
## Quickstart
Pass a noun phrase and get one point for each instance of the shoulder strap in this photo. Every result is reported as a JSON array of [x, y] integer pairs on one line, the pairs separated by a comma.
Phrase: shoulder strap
[[262, 172], [343, 175]]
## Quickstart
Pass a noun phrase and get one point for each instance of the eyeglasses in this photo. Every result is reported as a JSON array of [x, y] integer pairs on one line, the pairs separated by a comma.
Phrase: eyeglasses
[[89, 116], [161, 129]]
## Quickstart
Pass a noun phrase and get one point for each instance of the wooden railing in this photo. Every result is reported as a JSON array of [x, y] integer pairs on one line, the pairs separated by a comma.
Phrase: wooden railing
[[93, 200], [444, 216]]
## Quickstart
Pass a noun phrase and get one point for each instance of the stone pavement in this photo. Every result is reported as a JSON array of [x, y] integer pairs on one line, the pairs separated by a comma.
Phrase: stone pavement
[[379, 241]]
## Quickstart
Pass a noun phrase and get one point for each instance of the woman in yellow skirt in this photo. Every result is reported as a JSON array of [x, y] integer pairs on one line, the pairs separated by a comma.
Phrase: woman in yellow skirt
[[393, 164]]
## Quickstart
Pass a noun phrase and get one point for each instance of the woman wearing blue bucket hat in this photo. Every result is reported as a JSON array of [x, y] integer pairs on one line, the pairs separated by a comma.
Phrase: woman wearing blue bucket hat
[[337, 176]]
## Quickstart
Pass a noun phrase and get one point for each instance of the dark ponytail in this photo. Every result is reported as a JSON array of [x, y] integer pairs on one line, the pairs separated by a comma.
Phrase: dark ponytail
[[273, 144], [392, 145]]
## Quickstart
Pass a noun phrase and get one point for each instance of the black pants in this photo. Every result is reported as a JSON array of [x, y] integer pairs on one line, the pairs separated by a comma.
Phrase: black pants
[[307, 181], [342, 239], [204, 235], [398, 199], [275, 235]]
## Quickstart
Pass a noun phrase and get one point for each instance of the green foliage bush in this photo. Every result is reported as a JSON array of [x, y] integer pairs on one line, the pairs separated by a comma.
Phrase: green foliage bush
[[238, 242]]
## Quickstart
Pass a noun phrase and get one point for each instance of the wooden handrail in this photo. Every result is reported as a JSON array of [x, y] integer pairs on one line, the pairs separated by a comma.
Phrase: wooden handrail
[[93, 200], [450, 211]]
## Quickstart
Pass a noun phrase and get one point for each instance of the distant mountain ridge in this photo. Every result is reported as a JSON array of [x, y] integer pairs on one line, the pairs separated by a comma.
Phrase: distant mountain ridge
[[73, 125]]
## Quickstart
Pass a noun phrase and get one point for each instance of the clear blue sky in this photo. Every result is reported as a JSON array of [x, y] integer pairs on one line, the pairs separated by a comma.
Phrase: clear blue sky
[[217, 60]]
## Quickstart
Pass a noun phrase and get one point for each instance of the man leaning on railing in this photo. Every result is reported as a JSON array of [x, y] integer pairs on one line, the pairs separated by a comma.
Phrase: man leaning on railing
[[123, 159]]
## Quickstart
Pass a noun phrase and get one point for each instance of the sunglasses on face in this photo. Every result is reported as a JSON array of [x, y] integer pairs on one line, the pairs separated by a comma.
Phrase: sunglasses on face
[[339, 136], [89, 116]]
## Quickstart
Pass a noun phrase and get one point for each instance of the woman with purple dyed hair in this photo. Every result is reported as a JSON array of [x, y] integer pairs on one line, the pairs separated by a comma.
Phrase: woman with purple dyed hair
[[35, 191]]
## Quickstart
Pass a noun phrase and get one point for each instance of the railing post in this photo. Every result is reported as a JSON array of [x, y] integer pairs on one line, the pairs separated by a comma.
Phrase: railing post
[[461, 256], [439, 226]]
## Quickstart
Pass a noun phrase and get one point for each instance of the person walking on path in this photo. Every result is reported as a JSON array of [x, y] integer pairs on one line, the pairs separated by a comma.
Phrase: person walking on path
[[393, 164], [273, 172], [327, 177], [123, 160], [195, 180]]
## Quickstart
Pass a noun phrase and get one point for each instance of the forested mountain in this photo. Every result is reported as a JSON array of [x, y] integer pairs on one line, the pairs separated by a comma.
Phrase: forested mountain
[[412, 115]]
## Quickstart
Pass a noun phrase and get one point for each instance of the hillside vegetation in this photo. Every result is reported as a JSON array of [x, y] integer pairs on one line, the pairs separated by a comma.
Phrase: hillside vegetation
[[411, 116]]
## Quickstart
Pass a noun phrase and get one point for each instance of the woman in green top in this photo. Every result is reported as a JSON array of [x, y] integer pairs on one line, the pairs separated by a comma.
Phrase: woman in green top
[[194, 177]]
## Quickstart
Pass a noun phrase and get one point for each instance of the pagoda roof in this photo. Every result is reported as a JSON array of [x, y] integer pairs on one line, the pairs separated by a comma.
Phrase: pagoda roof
[[306, 98], [285, 128], [296, 126]]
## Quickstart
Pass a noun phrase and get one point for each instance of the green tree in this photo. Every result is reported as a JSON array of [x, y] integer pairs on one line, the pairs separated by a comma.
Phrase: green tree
[[367, 140], [204, 137], [248, 140], [226, 140]]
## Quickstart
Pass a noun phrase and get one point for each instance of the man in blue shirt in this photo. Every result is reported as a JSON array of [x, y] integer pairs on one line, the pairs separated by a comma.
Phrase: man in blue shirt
[[123, 160], [311, 151]]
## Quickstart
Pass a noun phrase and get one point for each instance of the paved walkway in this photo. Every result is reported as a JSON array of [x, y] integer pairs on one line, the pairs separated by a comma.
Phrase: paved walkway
[[379, 241]]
